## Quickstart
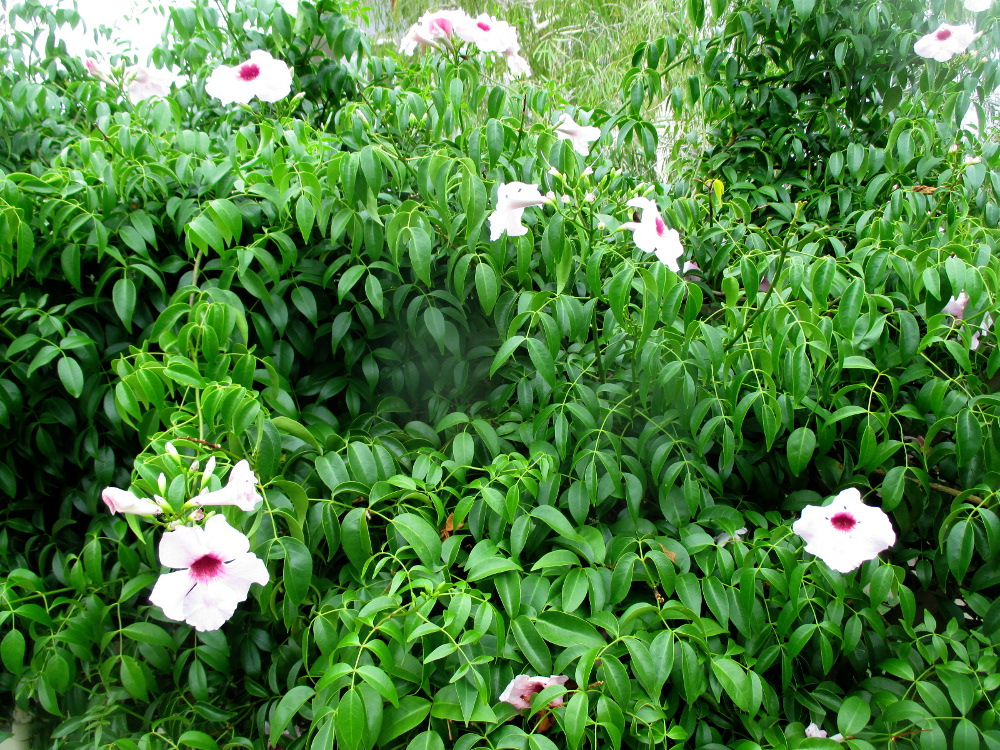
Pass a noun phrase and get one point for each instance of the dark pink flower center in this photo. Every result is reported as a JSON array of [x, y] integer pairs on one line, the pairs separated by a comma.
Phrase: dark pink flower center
[[533, 687], [483, 25], [249, 71], [442, 23], [660, 226], [943, 34], [206, 568], [843, 522]]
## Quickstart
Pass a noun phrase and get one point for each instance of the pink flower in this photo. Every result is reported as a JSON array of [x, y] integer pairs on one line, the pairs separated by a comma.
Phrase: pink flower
[[512, 199], [846, 532], [946, 42], [956, 306], [122, 501], [241, 490], [690, 265], [765, 285], [435, 28], [580, 135], [144, 83], [813, 730], [490, 35], [518, 693], [651, 234], [217, 569], [95, 69], [261, 76]]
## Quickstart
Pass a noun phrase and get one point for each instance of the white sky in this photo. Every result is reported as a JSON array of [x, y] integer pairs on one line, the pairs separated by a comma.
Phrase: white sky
[[142, 33]]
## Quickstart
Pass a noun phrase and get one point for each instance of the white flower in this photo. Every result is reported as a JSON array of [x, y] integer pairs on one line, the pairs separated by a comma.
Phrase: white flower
[[512, 199], [946, 42], [978, 6], [519, 691], [846, 532], [435, 28], [690, 265], [261, 76], [580, 135], [144, 82], [956, 305], [813, 730], [122, 501], [972, 160], [217, 569], [565, 198], [241, 490], [652, 236], [490, 35], [590, 197]]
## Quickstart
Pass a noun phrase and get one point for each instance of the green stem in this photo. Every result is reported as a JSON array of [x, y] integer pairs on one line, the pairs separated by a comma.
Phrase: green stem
[[777, 272]]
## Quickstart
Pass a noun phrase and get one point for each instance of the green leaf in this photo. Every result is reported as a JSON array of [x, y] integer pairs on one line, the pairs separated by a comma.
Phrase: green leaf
[[959, 548], [287, 708], [421, 536], [379, 680], [734, 681], [853, 715], [531, 645], [12, 652], [419, 247], [351, 722], [123, 296], [71, 375], [801, 444], [198, 740], [133, 679], [575, 719], [400, 719], [429, 740], [297, 573], [486, 286]]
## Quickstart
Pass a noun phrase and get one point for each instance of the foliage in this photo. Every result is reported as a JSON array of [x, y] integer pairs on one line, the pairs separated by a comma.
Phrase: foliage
[[487, 458]]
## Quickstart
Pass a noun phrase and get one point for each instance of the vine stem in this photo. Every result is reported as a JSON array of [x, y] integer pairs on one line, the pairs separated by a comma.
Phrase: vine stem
[[777, 272]]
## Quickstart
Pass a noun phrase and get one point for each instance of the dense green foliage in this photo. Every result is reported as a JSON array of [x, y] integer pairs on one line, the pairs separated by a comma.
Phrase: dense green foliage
[[530, 455]]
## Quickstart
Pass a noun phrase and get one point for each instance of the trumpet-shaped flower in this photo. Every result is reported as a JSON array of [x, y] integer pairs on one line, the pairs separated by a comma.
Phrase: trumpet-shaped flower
[[512, 199], [490, 35], [651, 234], [519, 691], [846, 532], [946, 42], [435, 28], [261, 76], [580, 135], [956, 306], [144, 83], [216, 570], [241, 490], [123, 501]]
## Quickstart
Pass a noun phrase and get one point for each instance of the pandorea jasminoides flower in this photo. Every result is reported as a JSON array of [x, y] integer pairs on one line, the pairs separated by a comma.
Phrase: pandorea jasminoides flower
[[520, 690], [434, 28], [261, 76], [241, 490], [813, 730], [144, 82], [512, 199], [517, 65], [123, 501], [490, 35], [978, 6], [846, 532], [946, 42], [216, 570], [956, 306], [651, 234], [580, 135]]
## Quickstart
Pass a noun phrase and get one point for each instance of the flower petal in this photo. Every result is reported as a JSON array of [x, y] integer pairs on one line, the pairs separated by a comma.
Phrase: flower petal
[[170, 591], [182, 546]]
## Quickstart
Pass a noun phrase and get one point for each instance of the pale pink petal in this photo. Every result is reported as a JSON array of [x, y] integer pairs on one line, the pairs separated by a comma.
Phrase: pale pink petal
[[519, 691], [512, 199], [170, 591], [813, 730], [946, 41], [556, 679], [956, 306], [224, 540], [209, 605], [581, 136], [261, 76], [182, 546], [122, 501]]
